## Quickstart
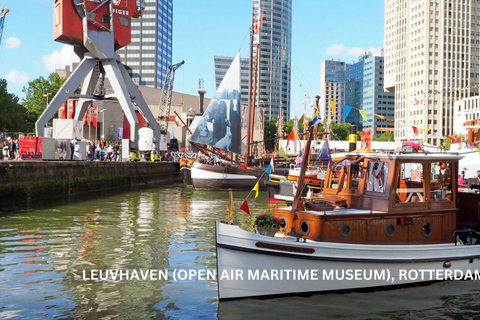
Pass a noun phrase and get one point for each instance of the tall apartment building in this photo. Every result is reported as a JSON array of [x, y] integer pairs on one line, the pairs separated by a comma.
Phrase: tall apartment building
[[431, 60], [221, 66], [275, 56], [150, 52], [333, 75]]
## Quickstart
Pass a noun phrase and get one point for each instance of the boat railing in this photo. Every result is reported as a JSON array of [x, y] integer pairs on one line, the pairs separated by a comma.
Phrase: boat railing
[[471, 234]]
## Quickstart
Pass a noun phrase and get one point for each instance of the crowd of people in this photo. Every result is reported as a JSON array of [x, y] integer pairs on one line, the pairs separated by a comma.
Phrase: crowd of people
[[101, 152], [10, 149]]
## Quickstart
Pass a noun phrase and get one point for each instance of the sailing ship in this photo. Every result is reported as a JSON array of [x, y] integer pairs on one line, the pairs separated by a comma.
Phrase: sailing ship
[[382, 220]]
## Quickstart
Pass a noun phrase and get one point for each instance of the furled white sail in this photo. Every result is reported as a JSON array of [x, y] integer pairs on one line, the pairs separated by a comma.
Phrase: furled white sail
[[220, 125]]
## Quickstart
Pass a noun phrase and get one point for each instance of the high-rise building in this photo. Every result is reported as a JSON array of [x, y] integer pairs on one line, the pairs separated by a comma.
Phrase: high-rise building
[[431, 60], [275, 24], [150, 52], [332, 88], [378, 106]]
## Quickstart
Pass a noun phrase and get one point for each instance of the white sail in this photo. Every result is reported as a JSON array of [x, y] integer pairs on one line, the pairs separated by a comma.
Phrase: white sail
[[220, 125]]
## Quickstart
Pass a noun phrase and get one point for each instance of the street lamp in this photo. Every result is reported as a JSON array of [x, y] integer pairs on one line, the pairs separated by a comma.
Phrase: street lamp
[[46, 95], [103, 122]]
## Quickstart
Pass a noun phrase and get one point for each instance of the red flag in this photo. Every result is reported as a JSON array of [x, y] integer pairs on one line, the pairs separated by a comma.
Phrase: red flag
[[71, 108], [95, 116], [415, 130], [85, 118], [61, 112], [451, 138], [244, 207], [89, 115]]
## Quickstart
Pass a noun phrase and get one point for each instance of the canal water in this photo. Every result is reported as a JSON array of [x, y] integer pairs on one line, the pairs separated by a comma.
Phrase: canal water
[[54, 257]]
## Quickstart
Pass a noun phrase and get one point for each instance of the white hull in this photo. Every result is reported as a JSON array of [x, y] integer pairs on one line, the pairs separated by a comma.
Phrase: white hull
[[243, 258]]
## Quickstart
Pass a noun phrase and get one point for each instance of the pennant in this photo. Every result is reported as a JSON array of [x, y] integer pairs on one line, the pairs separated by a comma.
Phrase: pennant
[[61, 112], [439, 135], [333, 105], [380, 116], [303, 120], [255, 188], [267, 171], [244, 207], [363, 113], [326, 154], [451, 138], [346, 111], [415, 130], [292, 137], [282, 153], [424, 130], [85, 118], [390, 121], [95, 116], [271, 165], [231, 205]]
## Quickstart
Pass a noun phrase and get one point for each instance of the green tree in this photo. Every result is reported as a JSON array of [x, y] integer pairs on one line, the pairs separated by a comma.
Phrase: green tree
[[386, 136], [11, 111], [270, 133], [36, 94], [340, 130], [288, 127]]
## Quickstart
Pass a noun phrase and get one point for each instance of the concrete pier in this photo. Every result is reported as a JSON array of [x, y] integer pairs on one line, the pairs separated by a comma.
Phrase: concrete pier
[[30, 180]]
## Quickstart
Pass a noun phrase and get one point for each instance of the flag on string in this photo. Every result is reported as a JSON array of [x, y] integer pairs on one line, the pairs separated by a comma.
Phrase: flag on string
[[346, 111], [292, 137], [271, 165], [380, 116], [424, 130], [415, 130], [299, 159], [333, 105], [244, 207], [267, 171], [451, 138], [85, 118], [255, 188], [390, 121], [363, 113], [282, 153]]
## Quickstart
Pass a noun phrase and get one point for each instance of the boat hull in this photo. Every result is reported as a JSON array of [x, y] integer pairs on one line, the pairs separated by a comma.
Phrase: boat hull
[[213, 177], [251, 265]]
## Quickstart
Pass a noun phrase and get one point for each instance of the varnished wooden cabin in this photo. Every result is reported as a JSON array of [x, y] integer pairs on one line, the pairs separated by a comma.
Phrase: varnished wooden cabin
[[380, 199]]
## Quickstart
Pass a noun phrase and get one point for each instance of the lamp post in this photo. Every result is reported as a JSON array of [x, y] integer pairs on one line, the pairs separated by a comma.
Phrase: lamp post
[[46, 95], [103, 122]]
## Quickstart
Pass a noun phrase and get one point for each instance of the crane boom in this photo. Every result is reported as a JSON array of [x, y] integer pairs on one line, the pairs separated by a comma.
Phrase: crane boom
[[166, 98], [3, 13]]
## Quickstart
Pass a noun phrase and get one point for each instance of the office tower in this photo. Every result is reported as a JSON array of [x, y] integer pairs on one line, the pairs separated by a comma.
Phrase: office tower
[[275, 36], [150, 52], [431, 60], [364, 90], [332, 88]]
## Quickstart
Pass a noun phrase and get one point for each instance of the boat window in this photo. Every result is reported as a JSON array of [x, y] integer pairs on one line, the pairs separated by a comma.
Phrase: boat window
[[410, 184], [377, 175], [440, 181], [356, 173]]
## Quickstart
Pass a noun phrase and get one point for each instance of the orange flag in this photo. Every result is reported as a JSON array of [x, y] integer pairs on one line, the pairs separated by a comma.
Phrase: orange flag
[[291, 137]]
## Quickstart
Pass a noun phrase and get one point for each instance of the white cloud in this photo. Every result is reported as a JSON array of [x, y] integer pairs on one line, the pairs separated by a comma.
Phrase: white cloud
[[12, 42], [336, 49], [60, 59], [341, 50], [15, 76]]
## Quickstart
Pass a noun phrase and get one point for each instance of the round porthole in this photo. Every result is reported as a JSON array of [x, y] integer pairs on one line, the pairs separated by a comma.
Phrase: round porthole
[[427, 229], [283, 223], [345, 230], [389, 230], [305, 227]]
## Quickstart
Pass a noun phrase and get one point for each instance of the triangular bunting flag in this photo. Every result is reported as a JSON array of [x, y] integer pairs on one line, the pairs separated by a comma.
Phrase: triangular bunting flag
[[267, 171], [363, 113], [333, 104], [244, 207], [255, 188], [283, 154], [415, 130]]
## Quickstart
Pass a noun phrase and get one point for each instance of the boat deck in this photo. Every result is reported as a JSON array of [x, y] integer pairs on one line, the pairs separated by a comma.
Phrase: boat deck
[[338, 211]]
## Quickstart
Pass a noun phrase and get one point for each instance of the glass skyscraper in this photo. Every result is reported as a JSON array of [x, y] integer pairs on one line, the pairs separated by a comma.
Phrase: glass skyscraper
[[273, 90], [150, 52]]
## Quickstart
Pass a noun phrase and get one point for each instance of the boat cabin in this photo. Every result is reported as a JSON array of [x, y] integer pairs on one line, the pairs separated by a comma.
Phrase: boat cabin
[[381, 198]]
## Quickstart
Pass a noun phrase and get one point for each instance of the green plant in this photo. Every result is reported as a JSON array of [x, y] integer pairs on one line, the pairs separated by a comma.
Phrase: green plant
[[266, 221]]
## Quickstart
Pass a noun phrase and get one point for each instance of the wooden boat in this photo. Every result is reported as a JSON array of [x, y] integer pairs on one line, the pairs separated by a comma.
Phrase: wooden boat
[[397, 225]]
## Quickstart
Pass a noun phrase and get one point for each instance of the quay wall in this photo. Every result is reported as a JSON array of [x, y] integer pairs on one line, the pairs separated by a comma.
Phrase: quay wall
[[31, 180]]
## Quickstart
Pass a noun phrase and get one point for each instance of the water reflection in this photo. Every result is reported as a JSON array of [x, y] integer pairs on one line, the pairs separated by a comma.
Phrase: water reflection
[[44, 252]]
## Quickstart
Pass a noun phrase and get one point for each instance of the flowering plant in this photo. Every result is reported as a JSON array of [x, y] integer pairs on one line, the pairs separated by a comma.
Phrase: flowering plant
[[266, 221]]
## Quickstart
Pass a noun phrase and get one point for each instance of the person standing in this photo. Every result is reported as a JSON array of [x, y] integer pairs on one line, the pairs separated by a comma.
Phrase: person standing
[[11, 148], [73, 143]]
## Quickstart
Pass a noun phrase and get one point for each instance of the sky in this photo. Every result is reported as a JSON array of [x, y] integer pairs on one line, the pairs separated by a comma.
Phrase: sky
[[321, 29]]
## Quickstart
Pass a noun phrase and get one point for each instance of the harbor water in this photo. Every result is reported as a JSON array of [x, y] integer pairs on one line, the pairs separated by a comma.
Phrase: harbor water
[[77, 259]]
